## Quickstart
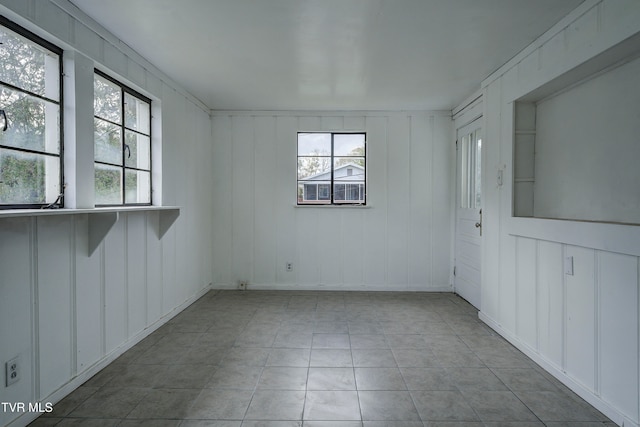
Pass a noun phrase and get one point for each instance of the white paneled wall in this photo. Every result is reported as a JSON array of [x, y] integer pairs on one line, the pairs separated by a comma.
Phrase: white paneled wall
[[399, 241], [66, 313], [583, 327]]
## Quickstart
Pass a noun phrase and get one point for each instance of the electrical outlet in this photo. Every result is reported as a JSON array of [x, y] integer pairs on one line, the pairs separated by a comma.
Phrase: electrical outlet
[[242, 285], [289, 266], [12, 369]]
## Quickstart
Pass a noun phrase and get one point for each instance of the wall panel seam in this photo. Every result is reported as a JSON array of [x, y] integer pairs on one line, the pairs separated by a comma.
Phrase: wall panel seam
[[73, 291], [564, 315], [35, 308], [409, 125], [597, 279]]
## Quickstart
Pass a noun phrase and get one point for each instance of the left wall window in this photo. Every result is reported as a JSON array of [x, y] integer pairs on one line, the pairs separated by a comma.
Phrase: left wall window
[[30, 119], [122, 143]]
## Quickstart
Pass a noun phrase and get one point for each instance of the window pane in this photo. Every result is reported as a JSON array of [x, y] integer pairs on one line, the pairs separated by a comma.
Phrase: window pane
[[351, 168], [314, 144], [28, 66], [32, 123], [108, 142], [137, 153], [313, 192], [136, 114], [137, 187], [339, 192], [108, 185], [478, 177], [316, 168], [348, 145], [27, 178], [324, 191], [107, 100]]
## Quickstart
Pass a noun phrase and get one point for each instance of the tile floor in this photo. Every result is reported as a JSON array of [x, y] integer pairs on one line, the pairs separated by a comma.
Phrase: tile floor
[[323, 359]]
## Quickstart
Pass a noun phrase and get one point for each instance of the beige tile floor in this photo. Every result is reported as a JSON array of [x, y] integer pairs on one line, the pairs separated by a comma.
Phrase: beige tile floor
[[324, 359]]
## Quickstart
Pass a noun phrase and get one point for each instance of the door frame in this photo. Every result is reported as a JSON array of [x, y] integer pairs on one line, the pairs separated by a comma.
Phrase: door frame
[[471, 294]]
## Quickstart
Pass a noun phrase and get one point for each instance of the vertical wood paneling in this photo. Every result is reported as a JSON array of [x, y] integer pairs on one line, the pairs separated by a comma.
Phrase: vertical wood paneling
[[136, 273], [285, 199], [169, 274], [618, 331], [354, 123], [526, 321], [54, 283], [308, 269], [243, 206], [508, 284], [265, 246], [154, 269], [330, 253], [580, 317], [115, 292], [222, 217], [491, 194], [88, 298], [343, 247], [587, 323], [375, 221], [63, 311], [442, 188], [398, 198], [550, 301], [421, 164], [330, 123], [352, 244], [184, 178], [16, 307]]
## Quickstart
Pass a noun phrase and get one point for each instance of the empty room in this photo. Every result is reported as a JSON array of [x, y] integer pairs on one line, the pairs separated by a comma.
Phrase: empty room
[[320, 213]]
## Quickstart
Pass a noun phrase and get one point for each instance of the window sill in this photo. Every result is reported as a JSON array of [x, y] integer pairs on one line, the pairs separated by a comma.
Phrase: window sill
[[345, 206], [13, 213], [101, 220]]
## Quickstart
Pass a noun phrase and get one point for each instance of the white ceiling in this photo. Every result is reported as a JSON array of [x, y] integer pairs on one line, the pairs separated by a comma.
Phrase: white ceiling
[[328, 54]]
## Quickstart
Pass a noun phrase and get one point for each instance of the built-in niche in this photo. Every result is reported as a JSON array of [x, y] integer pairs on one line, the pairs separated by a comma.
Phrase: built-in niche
[[576, 145]]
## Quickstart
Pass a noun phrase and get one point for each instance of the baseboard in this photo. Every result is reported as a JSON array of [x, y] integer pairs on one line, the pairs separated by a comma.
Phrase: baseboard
[[335, 287], [602, 406], [85, 375]]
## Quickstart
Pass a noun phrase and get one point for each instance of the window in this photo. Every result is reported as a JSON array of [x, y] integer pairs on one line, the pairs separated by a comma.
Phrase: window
[[122, 141], [470, 180], [331, 168], [30, 120]]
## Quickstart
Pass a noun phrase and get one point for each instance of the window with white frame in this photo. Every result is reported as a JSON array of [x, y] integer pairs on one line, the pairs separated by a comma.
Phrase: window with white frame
[[30, 119], [122, 142], [331, 168]]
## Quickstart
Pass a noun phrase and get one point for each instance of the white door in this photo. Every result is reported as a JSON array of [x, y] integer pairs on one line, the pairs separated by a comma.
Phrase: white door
[[468, 213]]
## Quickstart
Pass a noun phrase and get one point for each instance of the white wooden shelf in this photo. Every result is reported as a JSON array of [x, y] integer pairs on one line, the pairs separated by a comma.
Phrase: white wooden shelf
[[101, 220]]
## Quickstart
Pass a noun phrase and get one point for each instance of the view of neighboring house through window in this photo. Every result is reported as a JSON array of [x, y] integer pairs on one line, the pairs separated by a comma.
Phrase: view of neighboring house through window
[[331, 168], [30, 117], [122, 138]]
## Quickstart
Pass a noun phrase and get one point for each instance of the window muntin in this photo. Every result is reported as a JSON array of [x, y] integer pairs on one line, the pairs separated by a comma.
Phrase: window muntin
[[331, 168], [122, 141], [30, 119]]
